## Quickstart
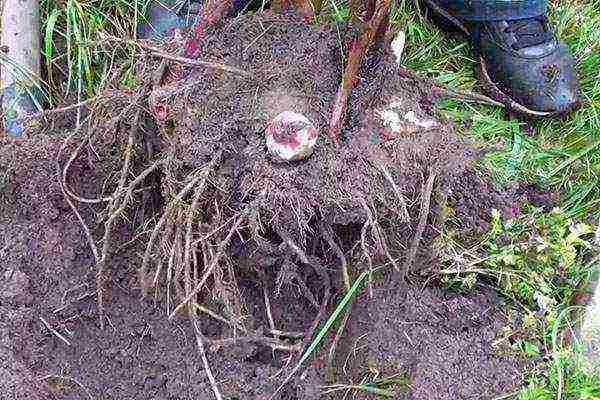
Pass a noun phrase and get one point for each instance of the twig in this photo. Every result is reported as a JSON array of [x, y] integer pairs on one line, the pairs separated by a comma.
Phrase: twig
[[60, 110], [423, 214], [198, 63], [155, 51], [470, 97], [55, 332]]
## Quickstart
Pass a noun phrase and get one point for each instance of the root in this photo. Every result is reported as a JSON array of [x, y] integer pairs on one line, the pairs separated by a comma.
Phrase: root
[[274, 344], [202, 176], [67, 198], [213, 264], [188, 235], [200, 345], [328, 234], [404, 217], [423, 214], [65, 172], [114, 212], [287, 238], [288, 273]]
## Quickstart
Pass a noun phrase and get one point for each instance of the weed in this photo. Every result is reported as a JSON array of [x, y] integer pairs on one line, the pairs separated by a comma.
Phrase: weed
[[538, 259]]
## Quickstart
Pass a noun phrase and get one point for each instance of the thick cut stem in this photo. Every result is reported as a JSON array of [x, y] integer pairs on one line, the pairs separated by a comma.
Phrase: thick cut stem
[[370, 32]]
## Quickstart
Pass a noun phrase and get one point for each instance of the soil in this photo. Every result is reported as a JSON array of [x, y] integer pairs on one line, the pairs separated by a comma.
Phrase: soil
[[357, 204]]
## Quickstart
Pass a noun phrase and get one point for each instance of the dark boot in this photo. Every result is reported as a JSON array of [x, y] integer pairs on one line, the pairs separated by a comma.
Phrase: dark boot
[[521, 60]]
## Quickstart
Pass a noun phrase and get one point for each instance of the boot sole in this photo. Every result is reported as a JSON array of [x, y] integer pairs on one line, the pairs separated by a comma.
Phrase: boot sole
[[491, 88]]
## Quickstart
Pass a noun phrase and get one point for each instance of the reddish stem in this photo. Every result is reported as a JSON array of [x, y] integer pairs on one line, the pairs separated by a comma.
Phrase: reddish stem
[[370, 33], [213, 12]]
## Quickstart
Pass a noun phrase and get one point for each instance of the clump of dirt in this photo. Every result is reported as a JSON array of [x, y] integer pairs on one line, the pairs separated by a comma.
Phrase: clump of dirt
[[200, 221]]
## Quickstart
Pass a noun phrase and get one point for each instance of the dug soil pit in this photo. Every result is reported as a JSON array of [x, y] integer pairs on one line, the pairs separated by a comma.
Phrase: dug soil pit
[[167, 194]]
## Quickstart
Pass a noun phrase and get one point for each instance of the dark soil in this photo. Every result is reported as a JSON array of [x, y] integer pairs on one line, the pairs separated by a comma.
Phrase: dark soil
[[441, 343], [445, 346]]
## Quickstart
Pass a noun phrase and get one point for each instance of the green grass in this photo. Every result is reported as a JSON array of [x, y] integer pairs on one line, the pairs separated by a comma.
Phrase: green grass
[[538, 260], [563, 156], [76, 55]]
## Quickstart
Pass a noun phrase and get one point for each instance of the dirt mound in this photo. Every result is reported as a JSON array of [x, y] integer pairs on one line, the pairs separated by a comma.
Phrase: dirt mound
[[183, 204]]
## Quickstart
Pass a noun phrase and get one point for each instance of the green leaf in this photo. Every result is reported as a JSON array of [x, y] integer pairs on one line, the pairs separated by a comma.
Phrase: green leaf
[[49, 35]]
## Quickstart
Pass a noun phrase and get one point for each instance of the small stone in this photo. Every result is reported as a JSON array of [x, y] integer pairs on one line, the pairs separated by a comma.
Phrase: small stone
[[290, 137]]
